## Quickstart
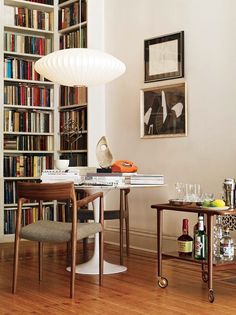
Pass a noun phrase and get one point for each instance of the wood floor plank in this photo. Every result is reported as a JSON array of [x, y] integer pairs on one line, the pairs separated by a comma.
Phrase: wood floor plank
[[134, 292]]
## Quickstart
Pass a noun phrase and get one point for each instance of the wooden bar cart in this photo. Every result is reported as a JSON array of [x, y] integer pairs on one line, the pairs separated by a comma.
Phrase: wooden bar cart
[[207, 265]]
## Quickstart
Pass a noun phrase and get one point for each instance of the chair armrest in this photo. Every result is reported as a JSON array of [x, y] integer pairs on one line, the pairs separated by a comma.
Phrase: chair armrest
[[82, 202]]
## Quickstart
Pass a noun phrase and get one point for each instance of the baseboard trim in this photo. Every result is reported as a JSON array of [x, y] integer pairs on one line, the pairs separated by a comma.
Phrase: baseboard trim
[[139, 239]]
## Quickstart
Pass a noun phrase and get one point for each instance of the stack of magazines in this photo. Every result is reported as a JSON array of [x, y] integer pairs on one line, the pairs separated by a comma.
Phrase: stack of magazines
[[144, 179]]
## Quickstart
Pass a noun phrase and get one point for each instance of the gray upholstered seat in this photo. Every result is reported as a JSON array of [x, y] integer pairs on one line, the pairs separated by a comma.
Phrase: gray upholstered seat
[[52, 231]]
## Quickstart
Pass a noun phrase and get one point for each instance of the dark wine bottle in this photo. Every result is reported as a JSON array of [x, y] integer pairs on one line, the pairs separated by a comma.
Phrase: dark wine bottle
[[185, 241]]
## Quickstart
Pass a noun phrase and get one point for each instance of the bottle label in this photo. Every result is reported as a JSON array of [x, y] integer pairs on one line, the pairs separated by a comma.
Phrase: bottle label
[[226, 250], [200, 246], [185, 246]]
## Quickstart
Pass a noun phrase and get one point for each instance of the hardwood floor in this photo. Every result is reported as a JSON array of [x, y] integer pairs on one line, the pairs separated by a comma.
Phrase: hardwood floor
[[133, 292]]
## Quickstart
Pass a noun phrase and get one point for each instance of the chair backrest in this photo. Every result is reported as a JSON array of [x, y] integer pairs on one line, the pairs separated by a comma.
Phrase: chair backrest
[[46, 191]]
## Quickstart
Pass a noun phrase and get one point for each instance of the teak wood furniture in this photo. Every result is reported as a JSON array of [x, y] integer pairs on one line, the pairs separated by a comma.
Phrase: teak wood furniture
[[52, 231], [209, 213]]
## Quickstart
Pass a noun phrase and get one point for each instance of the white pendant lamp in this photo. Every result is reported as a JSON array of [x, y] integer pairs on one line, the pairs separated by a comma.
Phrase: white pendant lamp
[[80, 67]]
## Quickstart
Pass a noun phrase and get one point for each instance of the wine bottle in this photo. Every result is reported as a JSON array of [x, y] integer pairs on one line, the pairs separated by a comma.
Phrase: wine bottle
[[200, 241], [185, 241]]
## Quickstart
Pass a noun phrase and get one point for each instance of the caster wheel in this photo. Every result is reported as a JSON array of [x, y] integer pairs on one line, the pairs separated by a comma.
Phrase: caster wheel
[[162, 282], [211, 296], [205, 276]]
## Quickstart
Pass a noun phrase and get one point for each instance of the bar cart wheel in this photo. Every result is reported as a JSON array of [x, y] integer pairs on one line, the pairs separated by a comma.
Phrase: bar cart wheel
[[211, 296], [162, 282], [205, 276]]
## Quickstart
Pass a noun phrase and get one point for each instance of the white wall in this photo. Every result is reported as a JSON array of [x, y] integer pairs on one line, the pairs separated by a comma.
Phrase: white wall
[[207, 154], [96, 95]]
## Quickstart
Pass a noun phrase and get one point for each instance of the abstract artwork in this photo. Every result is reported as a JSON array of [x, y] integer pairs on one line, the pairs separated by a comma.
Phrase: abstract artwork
[[164, 111]]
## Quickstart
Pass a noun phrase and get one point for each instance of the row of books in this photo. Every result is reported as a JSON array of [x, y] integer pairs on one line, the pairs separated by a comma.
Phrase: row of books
[[28, 143], [28, 95], [26, 44], [27, 121], [77, 39], [71, 15], [17, 68], [78, 116], [74, 142], [26, 165], [10, 188], [32, 18], [72, 95], [29, 215]]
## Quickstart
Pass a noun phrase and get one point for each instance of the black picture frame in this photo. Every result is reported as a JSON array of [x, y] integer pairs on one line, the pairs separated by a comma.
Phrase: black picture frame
[[163, 111], [164, 57]]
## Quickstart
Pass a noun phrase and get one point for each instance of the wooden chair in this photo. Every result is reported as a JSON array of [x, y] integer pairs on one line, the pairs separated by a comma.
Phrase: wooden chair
[[52, 231], [122, 214]]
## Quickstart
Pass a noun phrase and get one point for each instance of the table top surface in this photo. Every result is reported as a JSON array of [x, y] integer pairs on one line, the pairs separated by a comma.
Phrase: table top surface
[[193, 208]]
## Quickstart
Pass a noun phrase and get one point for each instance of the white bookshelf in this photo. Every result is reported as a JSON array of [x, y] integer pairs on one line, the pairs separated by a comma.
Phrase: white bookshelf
[[96, 95]]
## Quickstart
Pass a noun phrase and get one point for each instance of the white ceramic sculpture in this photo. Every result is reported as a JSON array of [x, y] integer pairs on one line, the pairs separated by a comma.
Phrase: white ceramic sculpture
[[103, 153]]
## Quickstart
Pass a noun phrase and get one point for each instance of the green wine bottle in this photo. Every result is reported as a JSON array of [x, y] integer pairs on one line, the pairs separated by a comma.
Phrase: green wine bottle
[[200, 241]]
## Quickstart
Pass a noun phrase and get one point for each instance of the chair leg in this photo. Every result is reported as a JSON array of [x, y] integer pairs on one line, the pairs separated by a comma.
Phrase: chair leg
[[101, 254], [16, 260], [40, 257], [73, 262], [121, 225], [127, 223], [68, 253], [16, 245]]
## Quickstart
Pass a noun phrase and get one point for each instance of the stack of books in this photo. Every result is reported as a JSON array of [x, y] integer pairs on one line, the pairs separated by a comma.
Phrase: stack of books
[[52, 176], [144, 179], [126, 178], [115, 179]]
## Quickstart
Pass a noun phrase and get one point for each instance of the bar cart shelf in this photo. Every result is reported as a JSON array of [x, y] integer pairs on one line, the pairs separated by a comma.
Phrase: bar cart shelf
[[206, 265]]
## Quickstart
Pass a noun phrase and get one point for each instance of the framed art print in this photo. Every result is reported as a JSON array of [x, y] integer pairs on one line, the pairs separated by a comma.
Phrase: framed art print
[[164, 57], [163, 111]]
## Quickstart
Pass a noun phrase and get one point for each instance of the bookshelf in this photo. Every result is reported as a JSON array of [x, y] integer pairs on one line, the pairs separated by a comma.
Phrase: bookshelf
[[36, 98], [29, 120], [72, 26]]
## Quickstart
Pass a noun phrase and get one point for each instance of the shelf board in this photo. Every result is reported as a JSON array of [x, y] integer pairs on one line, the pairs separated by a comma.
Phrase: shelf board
[[83, 131], [30, 5], [30, 204], [66, 3], [28, 133], [216, 263], [72, 151], [28, 30], [72, 28], [28, 81], [69, 107], [29, 107], [15, 53], [19, 178], [25, 151]]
